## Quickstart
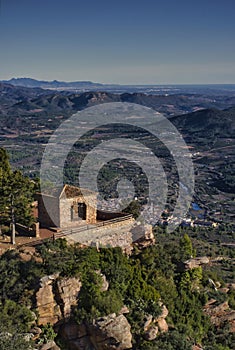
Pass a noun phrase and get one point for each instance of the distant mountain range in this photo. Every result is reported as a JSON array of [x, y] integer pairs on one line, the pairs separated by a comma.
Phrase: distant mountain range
[[200, 118], [55, 84], [18, 100], [153, 89]]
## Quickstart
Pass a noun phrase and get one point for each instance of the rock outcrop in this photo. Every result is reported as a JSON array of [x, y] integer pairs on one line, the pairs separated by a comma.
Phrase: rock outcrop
[[55, 298], [48, 309], [162, 325], [142, 236], [161, 319], [220, 314], [67, 293], [112, 332], [151, 333], [153, 326], [196, 262]]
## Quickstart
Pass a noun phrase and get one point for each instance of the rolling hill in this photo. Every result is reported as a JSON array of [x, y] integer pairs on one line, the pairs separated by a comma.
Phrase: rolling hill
[[28, 117]]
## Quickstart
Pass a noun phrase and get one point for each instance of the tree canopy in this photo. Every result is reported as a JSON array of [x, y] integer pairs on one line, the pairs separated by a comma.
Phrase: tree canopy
[[16, 195]]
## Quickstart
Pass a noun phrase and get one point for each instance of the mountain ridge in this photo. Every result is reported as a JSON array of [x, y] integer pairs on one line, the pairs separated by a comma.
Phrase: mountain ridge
[[17, 100], [30, 82], [156, 89]]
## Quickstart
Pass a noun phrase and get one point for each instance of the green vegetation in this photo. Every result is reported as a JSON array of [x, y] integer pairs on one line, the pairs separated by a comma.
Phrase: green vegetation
[[15, 320], [9, 341], [139, 281], [16, 196], [149, 276], [48, 334], [134, 208]]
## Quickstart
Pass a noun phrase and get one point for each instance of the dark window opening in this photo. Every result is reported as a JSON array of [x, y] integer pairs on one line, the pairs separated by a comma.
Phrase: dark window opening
[[82, 211], [78, 211]]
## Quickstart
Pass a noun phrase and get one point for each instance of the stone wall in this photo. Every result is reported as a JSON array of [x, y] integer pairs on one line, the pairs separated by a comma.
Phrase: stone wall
[[43, 217], [91, 213], [61, 211], [115, 224], [65, 212], [121, 234], [114, 239]]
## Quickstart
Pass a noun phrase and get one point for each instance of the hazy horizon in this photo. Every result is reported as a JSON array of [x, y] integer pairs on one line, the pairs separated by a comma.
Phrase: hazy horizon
[[125, 42], [113, 83]]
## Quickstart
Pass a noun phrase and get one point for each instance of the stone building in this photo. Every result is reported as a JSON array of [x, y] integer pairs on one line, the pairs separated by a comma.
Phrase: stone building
[[68, 208]]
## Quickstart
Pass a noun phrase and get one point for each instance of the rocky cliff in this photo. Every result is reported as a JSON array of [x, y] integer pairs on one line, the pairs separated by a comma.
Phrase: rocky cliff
[[55, 298]]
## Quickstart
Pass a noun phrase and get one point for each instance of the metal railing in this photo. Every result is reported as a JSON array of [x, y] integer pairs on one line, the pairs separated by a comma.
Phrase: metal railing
[[74, 230]]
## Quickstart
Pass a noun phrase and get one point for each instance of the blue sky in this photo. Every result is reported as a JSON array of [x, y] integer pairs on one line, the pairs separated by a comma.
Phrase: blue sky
[[135, 42]]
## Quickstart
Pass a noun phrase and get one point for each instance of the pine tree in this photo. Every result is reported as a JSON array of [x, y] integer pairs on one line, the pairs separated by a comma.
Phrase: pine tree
[[16, 195], [4, 163], [186, 248]]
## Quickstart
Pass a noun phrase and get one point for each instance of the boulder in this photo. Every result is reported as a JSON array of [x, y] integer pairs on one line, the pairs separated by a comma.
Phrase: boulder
[[75, 336], [196, 262], [160, 320], [162, 325], [149, 320], [197, 347], [81, 344], [110, 333], [224, 290], [105, 284], [151, 333], [165, 312], [231, 286], [209, 303], [36, 331], [153, 326], [218, 310]]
